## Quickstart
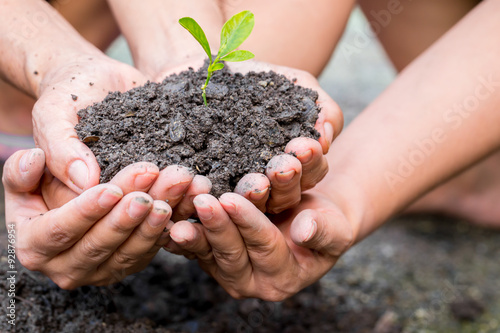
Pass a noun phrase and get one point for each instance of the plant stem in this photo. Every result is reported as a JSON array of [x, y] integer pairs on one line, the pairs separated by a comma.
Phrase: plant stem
[[204, 87]]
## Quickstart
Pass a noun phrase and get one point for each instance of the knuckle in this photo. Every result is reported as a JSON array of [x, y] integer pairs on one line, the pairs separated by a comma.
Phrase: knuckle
[[58, 235], [229, 256], [28, 259], [91, 249], [123, 259]]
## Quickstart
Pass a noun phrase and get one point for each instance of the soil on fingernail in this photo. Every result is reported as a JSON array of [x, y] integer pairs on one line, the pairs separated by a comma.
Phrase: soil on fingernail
[[245, 124]]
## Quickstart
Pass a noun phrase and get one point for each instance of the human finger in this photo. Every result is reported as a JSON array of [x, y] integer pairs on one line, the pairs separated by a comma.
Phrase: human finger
[[185, 208], [135, 253], [314, 165], [284, 173], [255, 187], [264, 242], [171, 184], [61, 228]]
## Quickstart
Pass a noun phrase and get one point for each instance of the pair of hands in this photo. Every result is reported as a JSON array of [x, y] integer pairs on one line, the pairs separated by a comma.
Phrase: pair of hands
[[115, 229], [107, 244]]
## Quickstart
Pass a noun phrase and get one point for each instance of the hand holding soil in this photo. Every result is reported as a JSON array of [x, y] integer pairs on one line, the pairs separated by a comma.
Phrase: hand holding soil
[[99, 237], [167, 124], [287, 252], [63, 91]]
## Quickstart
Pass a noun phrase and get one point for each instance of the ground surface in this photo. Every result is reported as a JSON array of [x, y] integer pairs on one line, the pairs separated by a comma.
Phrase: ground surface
[[416, 274]]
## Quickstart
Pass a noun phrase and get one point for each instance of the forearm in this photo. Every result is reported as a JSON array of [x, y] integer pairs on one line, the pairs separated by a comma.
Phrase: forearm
[[437, 118], [34, 40], [299, 34], [156, 38]]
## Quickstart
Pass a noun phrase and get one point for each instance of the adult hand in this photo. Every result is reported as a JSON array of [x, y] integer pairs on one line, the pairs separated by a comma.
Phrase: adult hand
[[63, 91], [99, 237], [251, 255]]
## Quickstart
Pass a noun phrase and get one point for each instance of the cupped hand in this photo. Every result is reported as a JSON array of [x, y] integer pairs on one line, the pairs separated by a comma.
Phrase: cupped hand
[[99, 237], [287, 175], [251, 255], [63, 91]]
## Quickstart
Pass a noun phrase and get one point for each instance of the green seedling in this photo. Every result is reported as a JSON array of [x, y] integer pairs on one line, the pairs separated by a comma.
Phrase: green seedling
[[234, 32]]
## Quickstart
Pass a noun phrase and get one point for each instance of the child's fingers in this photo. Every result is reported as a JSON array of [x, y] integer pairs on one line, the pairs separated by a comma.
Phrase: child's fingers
[[324, 230], [314, 165], [185, 208], [284, 172], [254, 187], [61, 228], [136, 177], [171, 184]]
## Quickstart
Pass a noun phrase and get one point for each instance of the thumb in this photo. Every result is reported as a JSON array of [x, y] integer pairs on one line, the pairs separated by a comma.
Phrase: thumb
[[324, 231], [23, 170], [68, 159]]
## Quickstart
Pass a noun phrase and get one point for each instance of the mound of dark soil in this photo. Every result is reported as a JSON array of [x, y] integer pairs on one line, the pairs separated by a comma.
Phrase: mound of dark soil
[[250, 118]]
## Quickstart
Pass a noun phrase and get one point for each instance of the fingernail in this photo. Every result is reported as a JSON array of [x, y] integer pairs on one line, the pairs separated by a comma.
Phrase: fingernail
[[312, 230], [26, 160], [79, 174], [205, 212], [109, 198], [178, 240], [159, 219], [328, 132], [228, 207], [285, 177], [177, 189], [258, 195], [305, 157], [143, 181], [138, 207]]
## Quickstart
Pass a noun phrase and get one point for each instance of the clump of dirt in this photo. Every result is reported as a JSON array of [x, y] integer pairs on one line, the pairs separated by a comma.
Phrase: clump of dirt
[[467, 309], [250, 118], [167, 298]]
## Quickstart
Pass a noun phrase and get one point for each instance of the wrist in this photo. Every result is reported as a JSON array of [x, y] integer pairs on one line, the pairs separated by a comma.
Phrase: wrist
[[156, 39]]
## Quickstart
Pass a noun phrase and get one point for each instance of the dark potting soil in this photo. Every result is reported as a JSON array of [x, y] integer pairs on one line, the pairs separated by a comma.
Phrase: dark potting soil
[[249, 119], [168, 298]]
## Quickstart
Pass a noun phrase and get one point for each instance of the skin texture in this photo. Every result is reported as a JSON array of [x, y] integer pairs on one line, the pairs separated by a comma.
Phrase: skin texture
[[122, 227], [365, 190]]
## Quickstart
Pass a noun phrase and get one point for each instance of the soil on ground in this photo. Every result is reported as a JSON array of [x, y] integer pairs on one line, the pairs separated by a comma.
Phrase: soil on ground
[[249, 119]]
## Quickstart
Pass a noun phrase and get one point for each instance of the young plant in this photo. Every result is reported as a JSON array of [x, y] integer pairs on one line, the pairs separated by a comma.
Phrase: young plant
[[234, 32]]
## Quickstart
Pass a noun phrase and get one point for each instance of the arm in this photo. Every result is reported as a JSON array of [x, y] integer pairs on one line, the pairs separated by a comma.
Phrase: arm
[[43, 55], [437, 118], [298, 34], [35, 39], [156, 39]]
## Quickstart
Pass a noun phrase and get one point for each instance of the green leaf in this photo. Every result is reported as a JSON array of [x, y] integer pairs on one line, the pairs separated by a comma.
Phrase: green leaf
[[235, 31], [238, 55], [194, 28], [217, 66]]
